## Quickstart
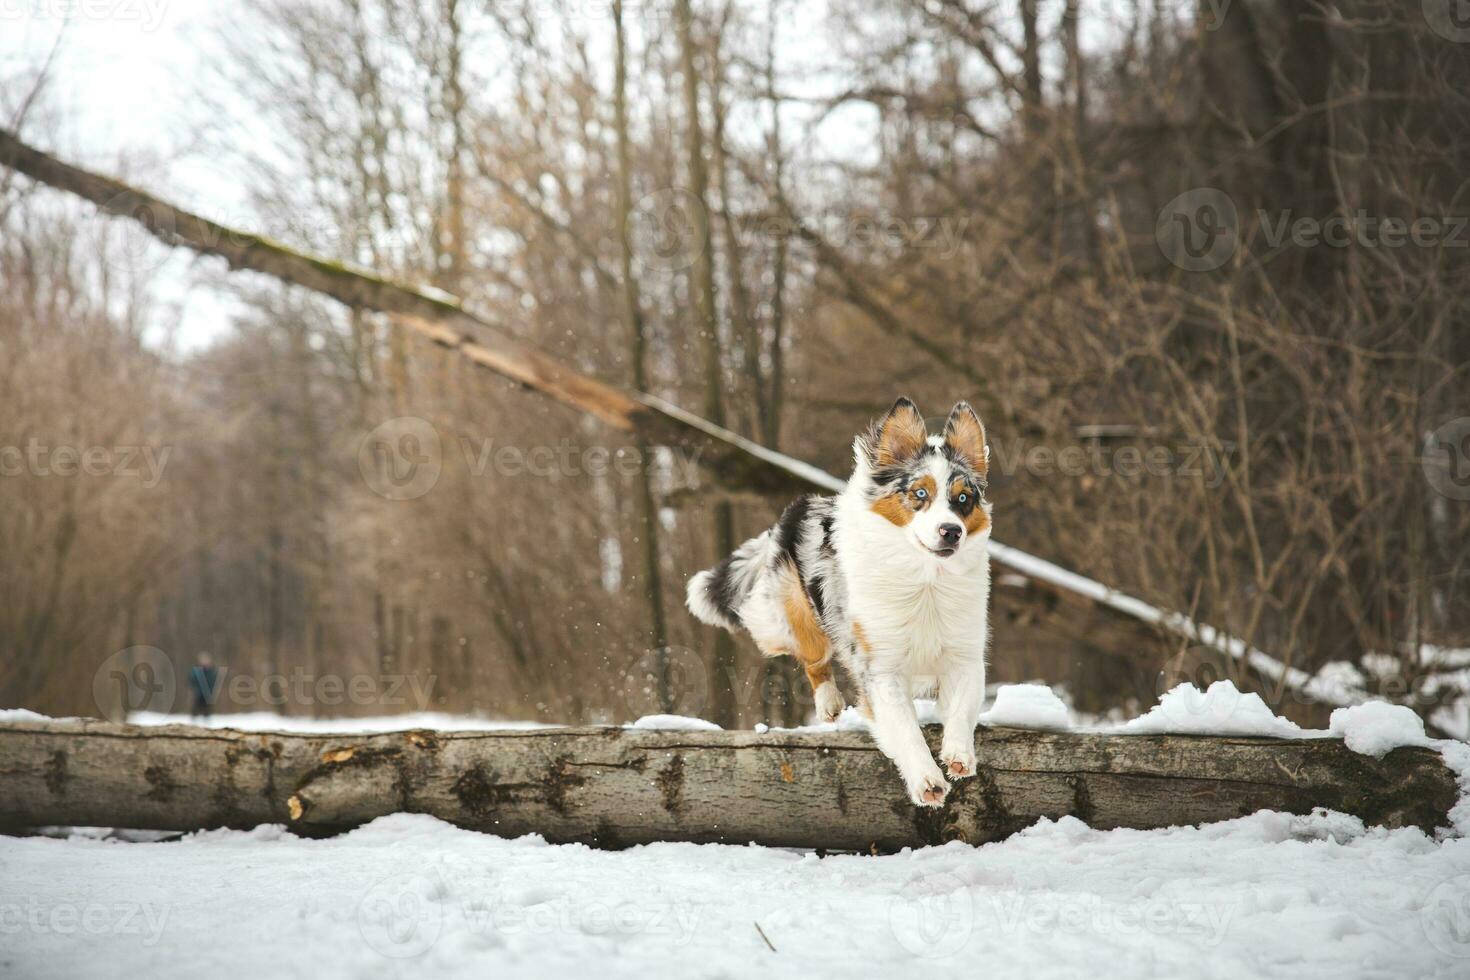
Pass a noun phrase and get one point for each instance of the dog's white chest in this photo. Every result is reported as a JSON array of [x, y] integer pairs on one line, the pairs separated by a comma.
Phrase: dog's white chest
[[920, 624]]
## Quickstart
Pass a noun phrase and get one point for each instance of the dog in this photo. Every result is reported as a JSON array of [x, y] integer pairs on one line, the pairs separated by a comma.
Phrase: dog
[[892, 577]]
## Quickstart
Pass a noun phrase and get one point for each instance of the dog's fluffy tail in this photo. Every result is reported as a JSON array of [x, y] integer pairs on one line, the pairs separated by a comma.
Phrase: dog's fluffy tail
[[716, 595]]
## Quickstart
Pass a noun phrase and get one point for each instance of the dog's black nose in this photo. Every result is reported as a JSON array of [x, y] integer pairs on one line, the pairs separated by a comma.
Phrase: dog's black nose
[[950, 533]]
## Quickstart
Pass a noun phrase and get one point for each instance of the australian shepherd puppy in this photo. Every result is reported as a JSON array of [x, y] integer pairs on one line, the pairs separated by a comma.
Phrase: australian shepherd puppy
[[892, 576]]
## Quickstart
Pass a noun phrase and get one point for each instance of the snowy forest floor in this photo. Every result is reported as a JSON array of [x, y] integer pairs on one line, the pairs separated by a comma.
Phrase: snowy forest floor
[[1266, 895]]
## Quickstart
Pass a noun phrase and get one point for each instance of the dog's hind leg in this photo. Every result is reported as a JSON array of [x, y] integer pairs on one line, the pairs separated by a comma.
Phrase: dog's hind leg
[[813, 649]]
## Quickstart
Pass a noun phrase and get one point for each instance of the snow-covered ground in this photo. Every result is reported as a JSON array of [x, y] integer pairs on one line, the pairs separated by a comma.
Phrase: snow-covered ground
[[1265, 895]]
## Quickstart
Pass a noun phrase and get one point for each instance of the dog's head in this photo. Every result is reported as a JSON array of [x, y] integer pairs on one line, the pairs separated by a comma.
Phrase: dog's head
[[930, 487]]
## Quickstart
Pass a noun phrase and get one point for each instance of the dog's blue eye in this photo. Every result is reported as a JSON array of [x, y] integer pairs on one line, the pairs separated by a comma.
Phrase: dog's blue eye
[[921, 493], [964, 497]]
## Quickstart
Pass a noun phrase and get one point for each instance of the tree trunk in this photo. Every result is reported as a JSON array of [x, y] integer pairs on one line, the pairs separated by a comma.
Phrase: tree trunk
[[614, 787], [775, 395], [453, 245], [637, 347], [702, 284], [1031, 90]]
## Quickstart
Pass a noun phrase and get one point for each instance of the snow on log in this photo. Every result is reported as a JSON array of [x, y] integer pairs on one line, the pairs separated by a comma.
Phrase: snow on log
[[614, 787]]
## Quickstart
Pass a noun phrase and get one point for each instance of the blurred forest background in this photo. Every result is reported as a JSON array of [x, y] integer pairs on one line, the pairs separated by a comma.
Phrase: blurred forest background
[[955, 199]]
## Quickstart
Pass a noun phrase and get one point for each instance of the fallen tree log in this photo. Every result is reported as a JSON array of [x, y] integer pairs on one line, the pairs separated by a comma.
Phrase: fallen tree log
[[614, 787]]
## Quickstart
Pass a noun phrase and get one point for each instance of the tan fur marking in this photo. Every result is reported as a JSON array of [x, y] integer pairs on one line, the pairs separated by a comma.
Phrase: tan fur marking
[[819, 674], [901, 437], [966, 436], [864, 651], [894, 508], [899, 508], [977, 522], [813, 648]]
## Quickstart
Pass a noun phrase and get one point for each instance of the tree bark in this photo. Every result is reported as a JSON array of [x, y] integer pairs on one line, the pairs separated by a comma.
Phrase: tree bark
[[637, 357], [775, 396], [702, 284], [1031, 92], [614, 787]]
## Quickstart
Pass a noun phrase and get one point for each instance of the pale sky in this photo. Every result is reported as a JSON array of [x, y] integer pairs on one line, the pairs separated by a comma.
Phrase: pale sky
[[120, 101], [118, 95]]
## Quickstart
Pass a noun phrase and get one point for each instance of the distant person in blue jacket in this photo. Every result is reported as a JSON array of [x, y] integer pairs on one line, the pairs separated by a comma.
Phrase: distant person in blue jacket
[[202, 680]]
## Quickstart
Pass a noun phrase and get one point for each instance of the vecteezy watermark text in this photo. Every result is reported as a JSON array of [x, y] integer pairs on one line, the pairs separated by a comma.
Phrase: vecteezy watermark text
[[1203, 923], [566, 458], [87, 919], [1201, 230], [667, 226], [299, 687], [144, 678], [403, 458], [1177, 460], [1363, 229], [148, 14], [1219, 9], [37, 458]]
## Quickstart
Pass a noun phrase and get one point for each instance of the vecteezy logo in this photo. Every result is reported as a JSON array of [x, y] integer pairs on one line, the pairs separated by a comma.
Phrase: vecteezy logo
[[1450, 19], [1445, 916], [139, 250], [402, 458], [683, 689], [402, 916], [1199, 230], [135, 679], [932, 916], [1206, 707], [1447, 459], [666, 225]]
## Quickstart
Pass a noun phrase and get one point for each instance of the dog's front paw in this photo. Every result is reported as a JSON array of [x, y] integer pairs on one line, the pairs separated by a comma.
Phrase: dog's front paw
[[830, 701], [927, 787], [958, 761]]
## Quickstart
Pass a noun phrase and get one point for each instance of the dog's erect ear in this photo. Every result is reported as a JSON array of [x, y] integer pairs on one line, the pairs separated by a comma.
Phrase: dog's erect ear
[[898, 436], [965, 436]]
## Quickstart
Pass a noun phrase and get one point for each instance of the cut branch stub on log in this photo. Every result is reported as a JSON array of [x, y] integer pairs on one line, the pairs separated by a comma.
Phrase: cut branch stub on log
[[614, 787]]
